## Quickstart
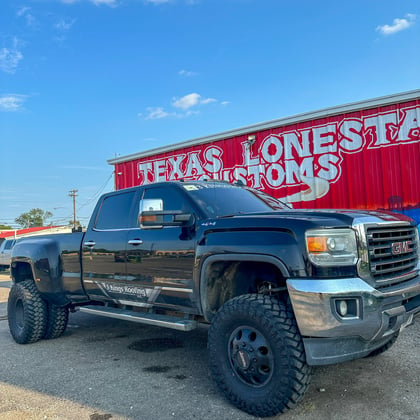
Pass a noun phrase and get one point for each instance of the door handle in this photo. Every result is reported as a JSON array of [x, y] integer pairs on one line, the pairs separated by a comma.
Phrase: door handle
[[89, 244], [135, 242]]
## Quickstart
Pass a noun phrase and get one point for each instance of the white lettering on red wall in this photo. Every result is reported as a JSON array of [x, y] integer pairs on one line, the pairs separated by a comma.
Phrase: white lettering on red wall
[[309, 156]]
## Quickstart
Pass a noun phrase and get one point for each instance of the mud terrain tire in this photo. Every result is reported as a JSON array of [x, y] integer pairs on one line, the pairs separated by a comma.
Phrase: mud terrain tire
[[27, 313], [57, 319], [256, 355]]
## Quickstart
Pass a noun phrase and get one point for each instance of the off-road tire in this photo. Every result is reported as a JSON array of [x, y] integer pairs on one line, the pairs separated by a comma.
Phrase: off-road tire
[[27, 313], [385, 347], [57, 319], [256, 355]]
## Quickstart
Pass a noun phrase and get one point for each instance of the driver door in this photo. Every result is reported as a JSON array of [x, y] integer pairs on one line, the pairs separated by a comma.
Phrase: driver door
[[160, 259]]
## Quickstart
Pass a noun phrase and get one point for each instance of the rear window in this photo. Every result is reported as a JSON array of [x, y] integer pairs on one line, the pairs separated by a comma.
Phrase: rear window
[[116, 212]]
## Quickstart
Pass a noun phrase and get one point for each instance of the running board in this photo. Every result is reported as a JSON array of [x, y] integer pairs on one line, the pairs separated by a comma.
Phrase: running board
[[143, 318]]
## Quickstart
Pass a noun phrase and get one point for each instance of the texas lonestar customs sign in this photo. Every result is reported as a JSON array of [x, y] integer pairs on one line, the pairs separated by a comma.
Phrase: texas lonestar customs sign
[[298, 163]]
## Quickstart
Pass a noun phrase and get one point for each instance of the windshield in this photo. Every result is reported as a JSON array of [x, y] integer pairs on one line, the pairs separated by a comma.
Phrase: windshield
[[225, 199]]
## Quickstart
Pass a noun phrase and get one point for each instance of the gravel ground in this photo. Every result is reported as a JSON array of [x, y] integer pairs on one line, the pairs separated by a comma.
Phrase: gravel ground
[[102, 369]]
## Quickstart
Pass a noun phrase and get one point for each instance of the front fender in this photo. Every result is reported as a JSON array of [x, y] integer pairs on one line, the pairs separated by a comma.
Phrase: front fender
[[280, 244]]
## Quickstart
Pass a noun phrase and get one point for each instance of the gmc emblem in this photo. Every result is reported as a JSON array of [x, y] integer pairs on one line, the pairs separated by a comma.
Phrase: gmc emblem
[[401, 247]]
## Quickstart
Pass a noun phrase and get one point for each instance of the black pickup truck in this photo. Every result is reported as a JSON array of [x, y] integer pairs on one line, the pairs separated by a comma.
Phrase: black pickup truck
[[282, 289]]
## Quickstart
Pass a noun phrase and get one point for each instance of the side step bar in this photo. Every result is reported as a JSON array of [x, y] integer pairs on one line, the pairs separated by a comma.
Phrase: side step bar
[[143, 318]]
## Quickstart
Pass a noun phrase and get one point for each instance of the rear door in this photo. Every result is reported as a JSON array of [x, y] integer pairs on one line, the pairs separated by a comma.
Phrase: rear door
[[104, 246]]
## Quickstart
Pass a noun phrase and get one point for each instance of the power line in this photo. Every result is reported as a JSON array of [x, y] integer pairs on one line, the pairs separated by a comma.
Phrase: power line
[[97, 194]]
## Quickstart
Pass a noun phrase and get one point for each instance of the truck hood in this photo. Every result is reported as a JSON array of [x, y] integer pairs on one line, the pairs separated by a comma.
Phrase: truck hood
[[326, 218]]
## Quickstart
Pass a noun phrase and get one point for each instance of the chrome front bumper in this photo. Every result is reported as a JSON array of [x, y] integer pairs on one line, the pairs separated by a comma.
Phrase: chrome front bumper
[[331, 338]]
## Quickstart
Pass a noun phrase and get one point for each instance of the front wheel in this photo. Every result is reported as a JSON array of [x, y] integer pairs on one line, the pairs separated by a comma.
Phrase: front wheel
[[257, 356], [27, 313]]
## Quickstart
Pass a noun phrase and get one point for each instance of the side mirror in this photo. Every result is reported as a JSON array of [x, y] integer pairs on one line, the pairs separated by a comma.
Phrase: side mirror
[[151, 204], [158, 219]]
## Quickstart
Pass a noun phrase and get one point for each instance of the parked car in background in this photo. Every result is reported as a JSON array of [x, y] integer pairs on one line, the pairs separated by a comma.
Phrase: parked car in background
[[5, 252]]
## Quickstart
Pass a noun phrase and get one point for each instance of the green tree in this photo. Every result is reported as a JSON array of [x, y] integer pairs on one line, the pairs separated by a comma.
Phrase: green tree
[[33, 218], [5, 227]]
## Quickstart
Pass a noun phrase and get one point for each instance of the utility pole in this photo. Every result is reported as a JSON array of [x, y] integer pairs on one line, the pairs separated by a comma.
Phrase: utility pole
[[72, 193]]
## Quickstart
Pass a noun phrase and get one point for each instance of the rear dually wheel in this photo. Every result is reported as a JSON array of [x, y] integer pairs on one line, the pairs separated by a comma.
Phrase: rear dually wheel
[[27, 313]]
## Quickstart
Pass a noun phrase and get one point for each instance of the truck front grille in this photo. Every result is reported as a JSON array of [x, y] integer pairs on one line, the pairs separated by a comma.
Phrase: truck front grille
[[392, 253]]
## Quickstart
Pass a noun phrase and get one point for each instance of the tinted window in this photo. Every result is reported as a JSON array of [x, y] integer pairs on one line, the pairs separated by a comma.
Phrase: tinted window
[[172, 199], [115, 212], [225, 199]]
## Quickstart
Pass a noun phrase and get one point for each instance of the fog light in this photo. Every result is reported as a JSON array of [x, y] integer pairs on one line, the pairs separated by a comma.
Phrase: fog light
[[348, 308], [342, 308]]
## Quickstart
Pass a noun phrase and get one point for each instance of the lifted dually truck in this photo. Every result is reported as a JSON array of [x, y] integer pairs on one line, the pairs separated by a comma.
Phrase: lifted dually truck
[[282, 290]]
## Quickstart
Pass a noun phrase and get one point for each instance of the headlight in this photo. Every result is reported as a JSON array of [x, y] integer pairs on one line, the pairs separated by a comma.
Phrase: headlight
[[331, 247]]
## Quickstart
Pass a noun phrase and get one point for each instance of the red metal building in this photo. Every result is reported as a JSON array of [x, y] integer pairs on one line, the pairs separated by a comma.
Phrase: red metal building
[[364, 155]]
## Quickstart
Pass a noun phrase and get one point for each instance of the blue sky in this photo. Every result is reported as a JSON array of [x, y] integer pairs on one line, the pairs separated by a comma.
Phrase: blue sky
[[82, 81]]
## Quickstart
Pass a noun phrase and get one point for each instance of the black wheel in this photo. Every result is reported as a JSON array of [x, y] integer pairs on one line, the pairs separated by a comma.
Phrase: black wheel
[[27, 313], [385, 347], [57, 319], [257, 356]]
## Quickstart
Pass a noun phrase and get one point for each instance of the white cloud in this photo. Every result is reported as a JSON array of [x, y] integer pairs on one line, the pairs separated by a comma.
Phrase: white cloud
[[187, 73], [22, 11], [12, 102], [397, 25], [63, 25], [207, 101], [10, 57], [106, 2], [156, 113], [191, 100], [186, 101], [25, 12], [224, 103], [183, 106]]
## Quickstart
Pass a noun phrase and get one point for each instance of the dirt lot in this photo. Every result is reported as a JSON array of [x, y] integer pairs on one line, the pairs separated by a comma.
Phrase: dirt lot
[[102, 369]]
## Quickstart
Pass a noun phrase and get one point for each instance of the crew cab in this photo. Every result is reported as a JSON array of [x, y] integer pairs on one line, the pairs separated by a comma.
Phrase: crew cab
[[282, 290]]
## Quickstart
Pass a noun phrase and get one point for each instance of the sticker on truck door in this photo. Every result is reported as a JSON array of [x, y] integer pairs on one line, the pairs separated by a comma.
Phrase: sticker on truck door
[[128, 294]]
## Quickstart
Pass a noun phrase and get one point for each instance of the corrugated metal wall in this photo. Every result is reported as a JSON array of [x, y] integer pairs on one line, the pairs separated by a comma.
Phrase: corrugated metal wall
[[364, 159]]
